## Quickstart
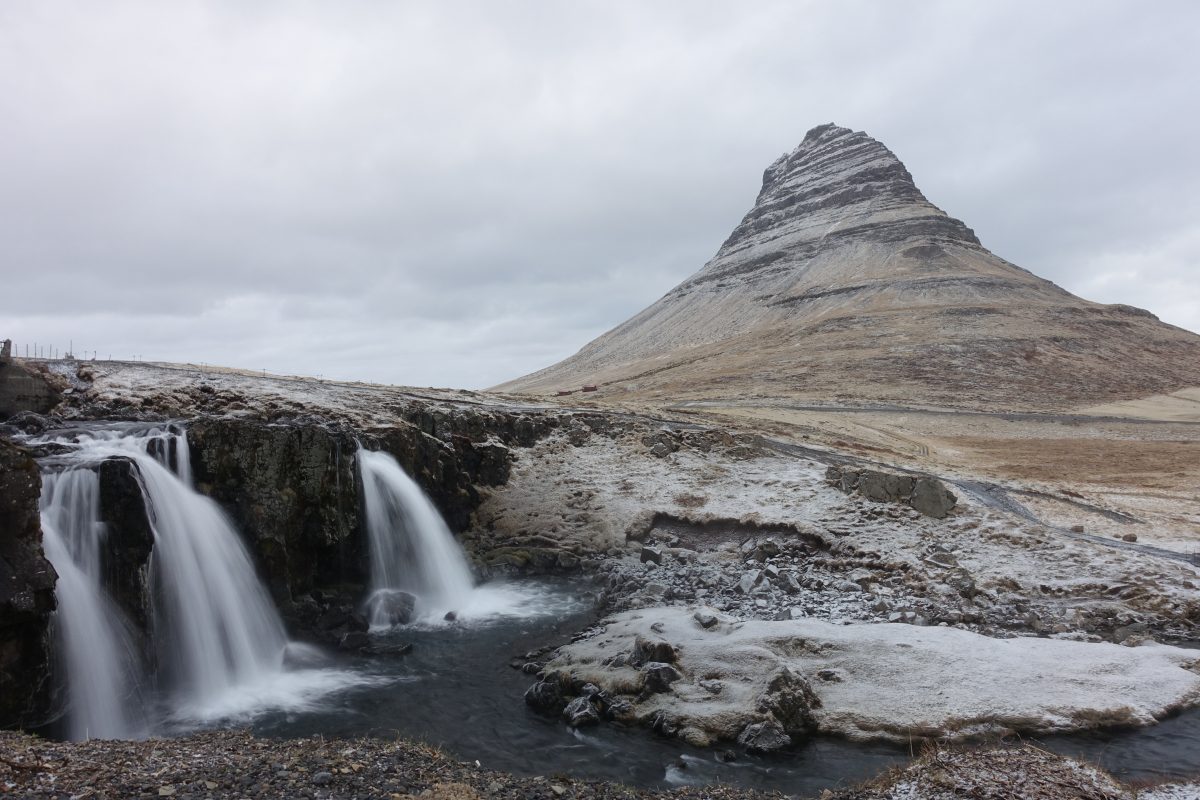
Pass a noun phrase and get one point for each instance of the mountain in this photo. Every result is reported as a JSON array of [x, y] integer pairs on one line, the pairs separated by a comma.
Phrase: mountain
[[845, 284]]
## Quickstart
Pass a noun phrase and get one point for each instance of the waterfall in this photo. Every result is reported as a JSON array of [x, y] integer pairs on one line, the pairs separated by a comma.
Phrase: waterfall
[[412, 550], [215, 628], [97, 647], [218, 627]]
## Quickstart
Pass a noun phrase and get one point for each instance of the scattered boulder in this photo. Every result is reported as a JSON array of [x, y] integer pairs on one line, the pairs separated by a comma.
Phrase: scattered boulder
[[651, 555], [580, 712], [659, 677], [767, 736], [927, 495], [647, 650], [547, 696], [396, 607], [932, 498], [749, 580], [790, 699]]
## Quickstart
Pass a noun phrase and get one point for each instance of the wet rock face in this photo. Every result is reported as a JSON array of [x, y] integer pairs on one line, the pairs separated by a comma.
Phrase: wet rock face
[[129, 539], [925, 494], [23, 389], [294, 491], [26, 591], [291, 490]]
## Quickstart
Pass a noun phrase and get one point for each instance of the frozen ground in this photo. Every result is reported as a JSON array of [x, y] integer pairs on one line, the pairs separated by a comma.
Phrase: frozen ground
[[707, 505], [874, 680]]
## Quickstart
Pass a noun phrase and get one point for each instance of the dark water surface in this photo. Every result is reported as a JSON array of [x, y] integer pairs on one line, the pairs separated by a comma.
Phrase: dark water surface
[[456, 690]]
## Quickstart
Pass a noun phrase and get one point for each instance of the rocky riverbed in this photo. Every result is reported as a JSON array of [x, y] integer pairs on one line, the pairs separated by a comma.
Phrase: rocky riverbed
[[233, 764]]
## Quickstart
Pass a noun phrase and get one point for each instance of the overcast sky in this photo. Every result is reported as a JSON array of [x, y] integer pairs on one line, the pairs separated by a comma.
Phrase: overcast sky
[[457, 193]]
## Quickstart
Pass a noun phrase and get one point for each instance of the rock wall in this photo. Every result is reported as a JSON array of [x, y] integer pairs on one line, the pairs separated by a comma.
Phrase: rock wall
[[125, 560], [294, 492], [22, 389], [26, 591], [291, 491]]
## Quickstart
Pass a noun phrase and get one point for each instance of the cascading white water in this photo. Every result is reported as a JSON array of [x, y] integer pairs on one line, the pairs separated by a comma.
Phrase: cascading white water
[[219, 640], [218, 626], [97, 646], [412, 550]]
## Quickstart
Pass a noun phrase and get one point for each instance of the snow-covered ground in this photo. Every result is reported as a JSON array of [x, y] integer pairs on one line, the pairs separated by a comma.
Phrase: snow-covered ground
[[882, 681]]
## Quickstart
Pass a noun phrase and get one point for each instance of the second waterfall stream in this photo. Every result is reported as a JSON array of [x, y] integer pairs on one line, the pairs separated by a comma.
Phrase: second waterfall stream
[[419, 572]]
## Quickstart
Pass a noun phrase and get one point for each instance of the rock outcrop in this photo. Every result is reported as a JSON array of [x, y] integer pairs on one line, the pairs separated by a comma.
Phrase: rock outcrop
[[23, 388], [923, 493], [26, 591], [294, 491], [844, 281]]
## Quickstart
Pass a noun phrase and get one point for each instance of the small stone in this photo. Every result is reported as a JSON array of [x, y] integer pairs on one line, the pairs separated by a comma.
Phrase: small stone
[[1129, 537], [764, 737], [749, 581], [651, 555], [1076, 529], [712, 686], [705, 619], [558, 790], [546, 696], [651, 650], [766, 549], [942, 558], [659, 676], [166, 791], [581, 711], [829, 675], [450, 616]]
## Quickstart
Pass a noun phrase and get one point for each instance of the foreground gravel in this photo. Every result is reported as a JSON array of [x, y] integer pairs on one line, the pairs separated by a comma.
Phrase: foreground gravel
[[231, 764]]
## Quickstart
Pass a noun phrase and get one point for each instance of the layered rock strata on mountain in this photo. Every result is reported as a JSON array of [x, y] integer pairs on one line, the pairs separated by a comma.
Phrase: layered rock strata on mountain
[[26, 591], [844, 282]]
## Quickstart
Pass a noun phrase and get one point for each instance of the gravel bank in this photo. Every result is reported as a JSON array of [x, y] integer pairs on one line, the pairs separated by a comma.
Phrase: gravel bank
[[234, 764]]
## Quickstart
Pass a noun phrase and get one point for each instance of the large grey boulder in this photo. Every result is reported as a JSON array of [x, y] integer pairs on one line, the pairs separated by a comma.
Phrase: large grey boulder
[[932, 498]]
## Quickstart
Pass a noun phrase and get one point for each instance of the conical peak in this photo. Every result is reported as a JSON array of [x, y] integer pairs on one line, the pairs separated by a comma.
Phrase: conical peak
[[832, 155], [845, 179]]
